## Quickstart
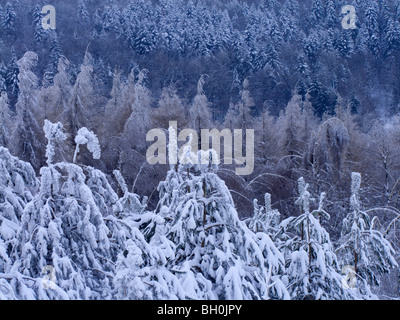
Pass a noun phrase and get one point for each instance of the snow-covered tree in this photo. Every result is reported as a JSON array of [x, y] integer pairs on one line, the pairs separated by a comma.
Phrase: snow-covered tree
[[311, 262], [6, 125], [87, 137], [55, 98], [226, 259], [199, 113], [141, 272], [139, 120], [81, 109], [27, 135], [362, 247], [137, 98], [12, 75], [18, 185], [8, 19], [37, 17], [53, 134], [265, 219], [170, 108], [328, 149], [63, 231]]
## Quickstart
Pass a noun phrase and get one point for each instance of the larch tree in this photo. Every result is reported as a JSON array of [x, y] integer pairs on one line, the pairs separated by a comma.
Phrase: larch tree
[[170, 108], [6, 117], [117, 112], [291, 122], [55, 98], [79, 107], [199, 113], [133, 137], [28, 137]]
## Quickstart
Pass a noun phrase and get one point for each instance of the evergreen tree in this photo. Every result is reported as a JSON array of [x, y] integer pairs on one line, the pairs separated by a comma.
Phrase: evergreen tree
[[311, 262], [37, 24], [18, 185], [265, 218], [372, 24], [83, 13], [362, 247], [332, 19], [213, 247], [12, 76], [8, 19], [63, 230]]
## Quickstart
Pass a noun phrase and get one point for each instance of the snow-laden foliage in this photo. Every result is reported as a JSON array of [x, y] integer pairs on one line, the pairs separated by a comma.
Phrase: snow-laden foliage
[[62, 232], [312, 267], [87, 137], [361, 246], [53, 134], [18, 185], [265, 219], [217, 251]]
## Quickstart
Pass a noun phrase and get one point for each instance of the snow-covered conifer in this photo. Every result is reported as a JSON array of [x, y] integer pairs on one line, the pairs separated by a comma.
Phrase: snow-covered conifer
[[362, 247], [311, 262], [18, 185], [265, 219], [229, 260]]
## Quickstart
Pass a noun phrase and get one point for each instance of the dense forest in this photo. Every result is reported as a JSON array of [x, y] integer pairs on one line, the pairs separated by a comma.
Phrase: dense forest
[[78, 194]]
